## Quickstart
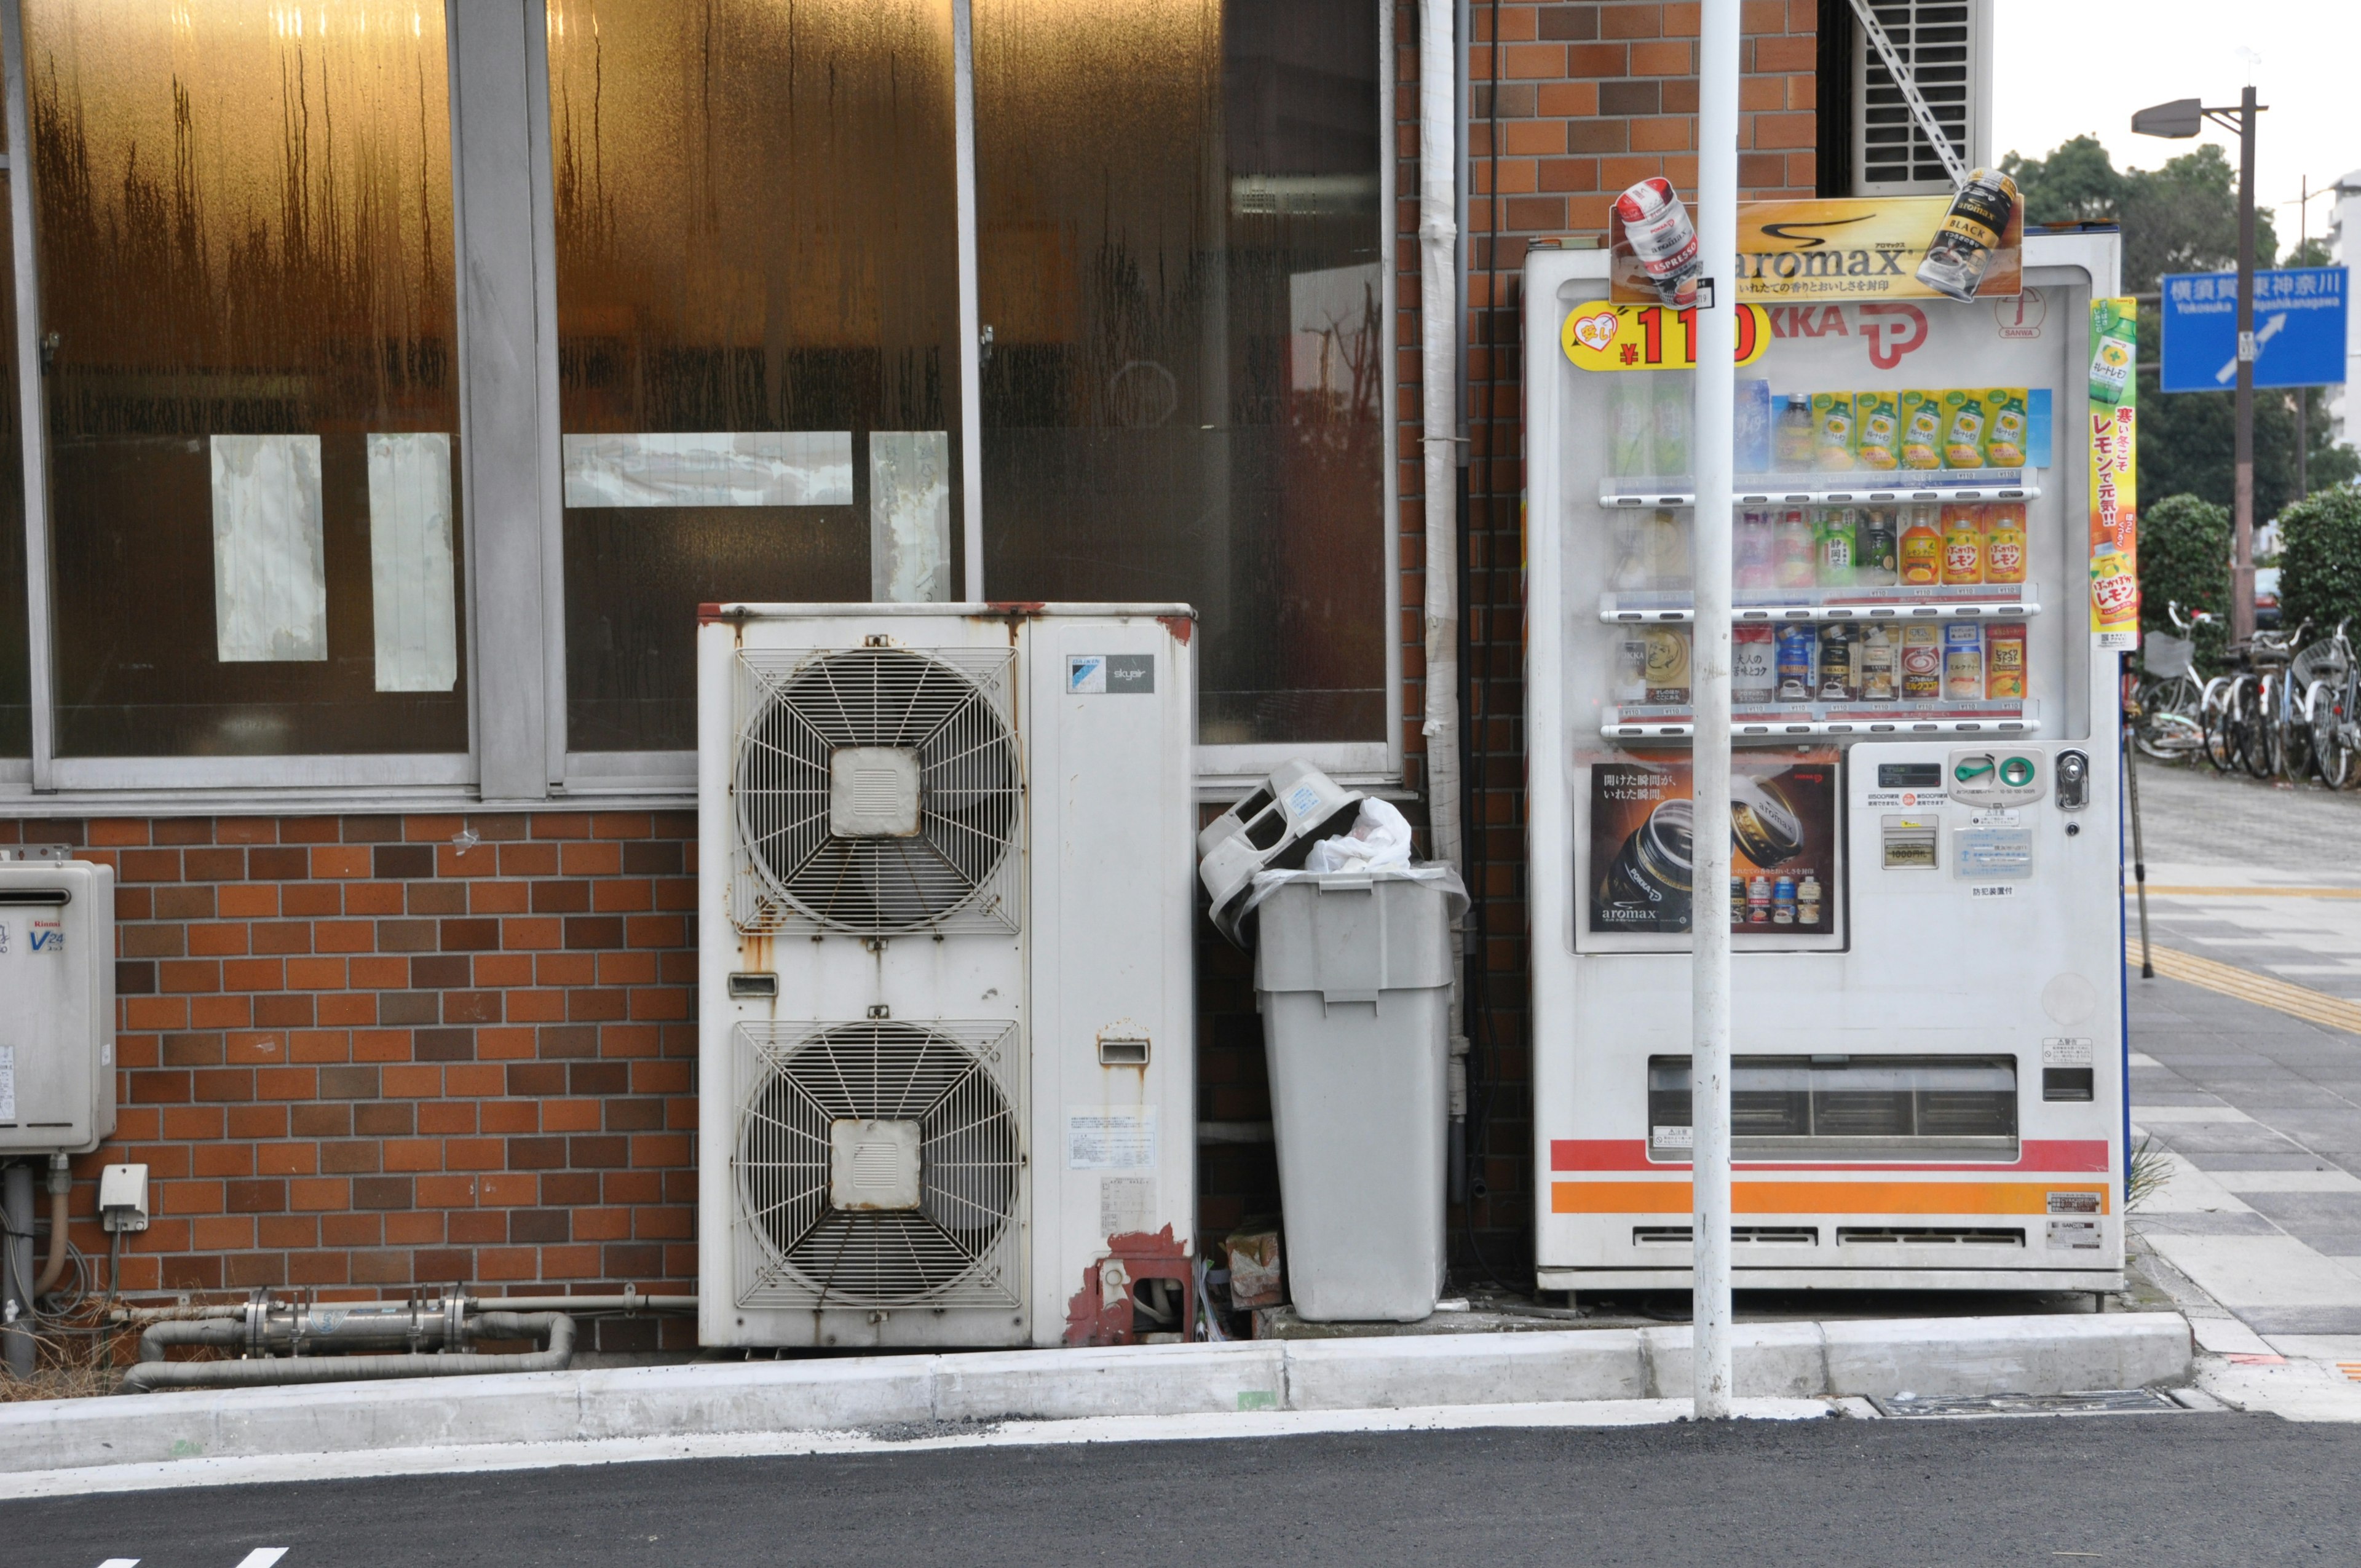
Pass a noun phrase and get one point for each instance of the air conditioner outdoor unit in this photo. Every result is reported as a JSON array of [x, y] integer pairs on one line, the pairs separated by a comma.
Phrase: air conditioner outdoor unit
[[947, 1014]]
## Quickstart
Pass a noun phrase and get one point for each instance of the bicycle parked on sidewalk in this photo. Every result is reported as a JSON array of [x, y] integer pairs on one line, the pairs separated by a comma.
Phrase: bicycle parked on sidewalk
[[2242, 711], [2332, 703], [2170, 697]]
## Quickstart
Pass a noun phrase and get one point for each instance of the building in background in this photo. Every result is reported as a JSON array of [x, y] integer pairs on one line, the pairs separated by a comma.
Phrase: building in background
[[384, 394], [2344, 247]]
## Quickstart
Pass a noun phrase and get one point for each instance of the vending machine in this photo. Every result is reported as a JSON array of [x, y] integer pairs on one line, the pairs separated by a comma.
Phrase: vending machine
[[1933, 559]]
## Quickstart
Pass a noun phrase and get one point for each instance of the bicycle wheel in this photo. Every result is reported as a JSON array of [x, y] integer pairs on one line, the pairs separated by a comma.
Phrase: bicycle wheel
[[2254, 726], [2292, 733], [2332, 746], [2214, 723]]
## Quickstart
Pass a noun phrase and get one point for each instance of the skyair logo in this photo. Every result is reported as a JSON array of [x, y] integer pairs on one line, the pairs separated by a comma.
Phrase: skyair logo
[[48, 936]]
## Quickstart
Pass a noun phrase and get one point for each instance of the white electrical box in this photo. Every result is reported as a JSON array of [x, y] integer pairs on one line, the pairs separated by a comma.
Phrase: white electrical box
[[57, 1005]]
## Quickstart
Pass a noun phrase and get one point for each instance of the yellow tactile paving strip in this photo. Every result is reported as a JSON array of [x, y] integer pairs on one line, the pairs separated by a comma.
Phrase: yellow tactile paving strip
[[2300, 1002]]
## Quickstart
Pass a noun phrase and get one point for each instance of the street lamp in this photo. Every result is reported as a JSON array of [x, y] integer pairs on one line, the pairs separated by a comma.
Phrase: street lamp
[[2185, 117]]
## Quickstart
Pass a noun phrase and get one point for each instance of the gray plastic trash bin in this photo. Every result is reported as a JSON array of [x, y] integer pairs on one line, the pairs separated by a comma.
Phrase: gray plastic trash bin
[[1353, 976]]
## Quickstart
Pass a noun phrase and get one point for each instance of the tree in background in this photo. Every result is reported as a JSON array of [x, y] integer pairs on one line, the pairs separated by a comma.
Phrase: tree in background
[[2183, 217], [2320, 560], [2184, 559]]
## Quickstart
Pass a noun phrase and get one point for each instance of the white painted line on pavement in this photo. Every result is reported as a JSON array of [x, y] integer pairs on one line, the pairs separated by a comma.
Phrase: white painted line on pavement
[[266, 1469], [2330, 1181], [2153, 1115], [262, 1557], [120, 1563], [2141, 1059]]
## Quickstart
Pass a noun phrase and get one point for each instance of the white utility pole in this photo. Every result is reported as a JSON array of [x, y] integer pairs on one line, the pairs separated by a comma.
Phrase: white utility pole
[[1716, 378]]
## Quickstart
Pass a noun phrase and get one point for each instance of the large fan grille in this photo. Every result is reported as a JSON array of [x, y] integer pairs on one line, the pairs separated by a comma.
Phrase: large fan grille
[[954, 709], [959, 1246]]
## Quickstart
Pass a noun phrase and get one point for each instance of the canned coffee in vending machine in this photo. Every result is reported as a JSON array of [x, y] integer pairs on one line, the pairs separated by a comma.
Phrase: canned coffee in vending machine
[[1928, 1055]]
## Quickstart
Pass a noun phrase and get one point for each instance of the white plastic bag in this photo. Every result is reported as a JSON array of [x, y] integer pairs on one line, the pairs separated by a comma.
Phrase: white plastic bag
[[1379, 840]]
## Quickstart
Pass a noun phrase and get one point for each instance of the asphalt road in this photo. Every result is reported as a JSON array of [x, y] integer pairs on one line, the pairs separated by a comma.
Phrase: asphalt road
[[2158, 1489]]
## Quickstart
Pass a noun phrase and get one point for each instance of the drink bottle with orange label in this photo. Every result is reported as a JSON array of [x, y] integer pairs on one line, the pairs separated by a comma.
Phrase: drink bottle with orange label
[[2004, 542], [1963, 546], [1922, 548]]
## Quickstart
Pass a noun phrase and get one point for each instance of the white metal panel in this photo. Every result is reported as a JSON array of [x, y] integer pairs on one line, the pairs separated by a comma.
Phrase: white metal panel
[[1111, 706]]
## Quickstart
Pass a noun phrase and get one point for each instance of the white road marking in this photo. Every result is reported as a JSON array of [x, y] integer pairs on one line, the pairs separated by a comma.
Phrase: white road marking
[[2331, 1181], [120, 1563], [2156, 1115], [263, 1557]]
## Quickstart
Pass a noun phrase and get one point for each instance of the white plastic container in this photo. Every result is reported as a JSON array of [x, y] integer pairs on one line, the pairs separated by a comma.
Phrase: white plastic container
[[1353, 977], [1272, 829]]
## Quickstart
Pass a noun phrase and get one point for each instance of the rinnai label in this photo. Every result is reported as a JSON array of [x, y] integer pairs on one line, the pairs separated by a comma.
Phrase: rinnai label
[[2074, 1236], [1675, 1137], [1111, 1137], [48, 937], [7, 1083], [2073, 1202], [2060, 1051]]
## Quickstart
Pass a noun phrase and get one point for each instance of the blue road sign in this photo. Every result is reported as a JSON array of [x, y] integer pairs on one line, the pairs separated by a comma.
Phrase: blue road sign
[[2298, 329]]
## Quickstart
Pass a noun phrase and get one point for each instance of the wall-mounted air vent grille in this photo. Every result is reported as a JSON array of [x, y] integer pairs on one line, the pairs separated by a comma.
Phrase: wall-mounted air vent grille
[[1944, 47]]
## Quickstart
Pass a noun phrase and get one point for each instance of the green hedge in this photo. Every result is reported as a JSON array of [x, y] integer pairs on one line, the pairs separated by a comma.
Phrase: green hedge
[[2184, 557], [2320, 561]]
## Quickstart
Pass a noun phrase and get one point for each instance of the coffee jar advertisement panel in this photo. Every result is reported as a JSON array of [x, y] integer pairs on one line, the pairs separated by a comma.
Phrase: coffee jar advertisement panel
[[1784, 877]]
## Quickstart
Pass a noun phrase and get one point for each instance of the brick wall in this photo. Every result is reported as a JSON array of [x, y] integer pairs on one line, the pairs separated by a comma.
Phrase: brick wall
[[1587, 99], [359, 1053]]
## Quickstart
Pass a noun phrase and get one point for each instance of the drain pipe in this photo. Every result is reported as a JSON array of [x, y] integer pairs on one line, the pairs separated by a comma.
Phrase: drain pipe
[[262, 1370], [1439, 324]]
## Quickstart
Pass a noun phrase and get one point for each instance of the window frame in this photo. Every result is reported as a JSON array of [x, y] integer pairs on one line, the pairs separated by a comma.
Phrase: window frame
[[511, 482]]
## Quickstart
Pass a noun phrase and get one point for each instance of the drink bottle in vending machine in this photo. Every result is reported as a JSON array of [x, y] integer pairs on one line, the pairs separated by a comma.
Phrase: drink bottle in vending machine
[[1928, 1076]]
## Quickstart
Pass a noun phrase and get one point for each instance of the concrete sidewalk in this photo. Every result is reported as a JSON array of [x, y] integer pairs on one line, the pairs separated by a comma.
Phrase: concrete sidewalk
[[70, 1445]]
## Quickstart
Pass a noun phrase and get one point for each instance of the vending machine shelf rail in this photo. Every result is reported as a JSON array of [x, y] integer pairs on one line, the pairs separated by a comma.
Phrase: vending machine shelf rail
[[1824, 604], [1805, 489], [1806, 722]]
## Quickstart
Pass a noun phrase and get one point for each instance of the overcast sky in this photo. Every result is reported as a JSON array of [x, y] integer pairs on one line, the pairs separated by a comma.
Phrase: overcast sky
[[2066, 67]]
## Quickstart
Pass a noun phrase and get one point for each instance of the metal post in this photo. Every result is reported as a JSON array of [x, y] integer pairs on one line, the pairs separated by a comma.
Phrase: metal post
[[970, 309], [1717, 376], [17, 1270], [2242, 578], [2139, 846]]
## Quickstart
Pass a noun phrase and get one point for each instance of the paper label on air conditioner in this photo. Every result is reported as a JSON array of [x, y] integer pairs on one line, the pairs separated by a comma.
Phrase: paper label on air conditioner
[[7, 1083], [1126, 1204], [1111, 1137]]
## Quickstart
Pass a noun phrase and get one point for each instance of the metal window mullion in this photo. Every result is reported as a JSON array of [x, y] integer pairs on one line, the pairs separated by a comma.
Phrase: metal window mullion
[[31, 420], [504, 417], [971, 310], [551, 454]]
